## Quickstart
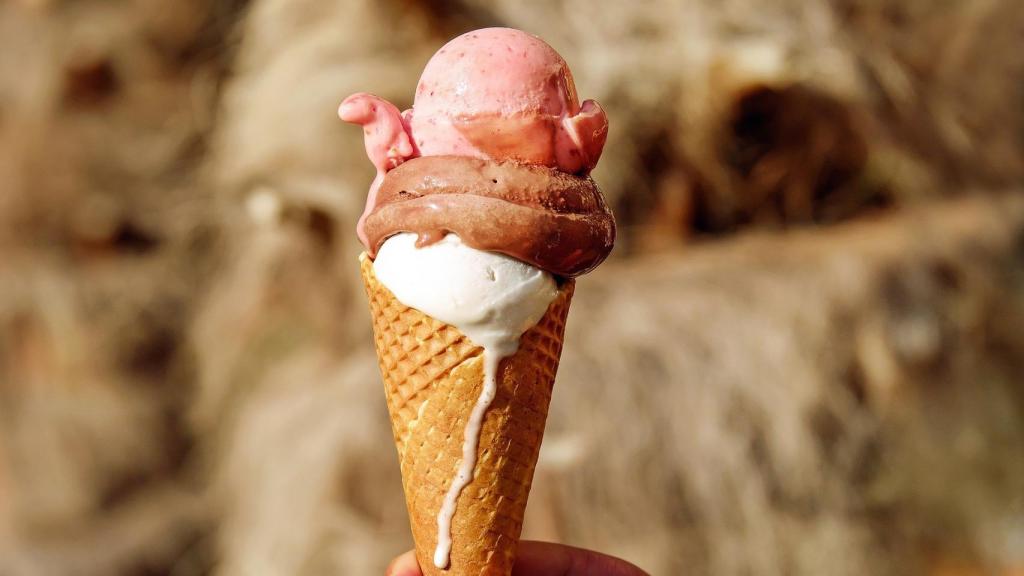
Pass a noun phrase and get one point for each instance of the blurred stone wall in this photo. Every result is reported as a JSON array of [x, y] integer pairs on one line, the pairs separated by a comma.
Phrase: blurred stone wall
[[187, 384]]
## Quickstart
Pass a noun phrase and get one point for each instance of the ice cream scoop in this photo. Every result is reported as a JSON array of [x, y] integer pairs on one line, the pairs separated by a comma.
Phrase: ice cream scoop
[[503, 94], [489, 297], [555, 221]]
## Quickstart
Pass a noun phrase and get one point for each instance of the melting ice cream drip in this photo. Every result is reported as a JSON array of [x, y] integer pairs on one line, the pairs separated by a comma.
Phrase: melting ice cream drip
[[494, 353], [491, 298]]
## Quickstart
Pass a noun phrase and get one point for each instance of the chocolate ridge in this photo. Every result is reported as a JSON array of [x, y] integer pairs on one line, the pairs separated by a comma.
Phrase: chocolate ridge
[[556, 221]]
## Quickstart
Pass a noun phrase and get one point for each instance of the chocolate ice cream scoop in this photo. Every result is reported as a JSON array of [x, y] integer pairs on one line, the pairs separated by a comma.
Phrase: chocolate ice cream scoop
[[555, 221]]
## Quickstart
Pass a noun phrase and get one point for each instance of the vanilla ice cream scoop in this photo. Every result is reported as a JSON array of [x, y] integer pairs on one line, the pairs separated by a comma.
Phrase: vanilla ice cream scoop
[[489, 297]]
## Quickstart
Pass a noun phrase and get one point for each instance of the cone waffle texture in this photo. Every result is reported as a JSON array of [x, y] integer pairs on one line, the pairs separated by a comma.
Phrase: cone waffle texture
[[433, 376]]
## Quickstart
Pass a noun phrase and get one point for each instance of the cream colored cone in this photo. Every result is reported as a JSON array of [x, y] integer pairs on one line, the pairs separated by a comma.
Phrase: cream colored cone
[[433, 376]]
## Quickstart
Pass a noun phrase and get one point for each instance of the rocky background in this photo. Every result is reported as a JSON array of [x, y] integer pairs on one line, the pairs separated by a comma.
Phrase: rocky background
[[805, 357]]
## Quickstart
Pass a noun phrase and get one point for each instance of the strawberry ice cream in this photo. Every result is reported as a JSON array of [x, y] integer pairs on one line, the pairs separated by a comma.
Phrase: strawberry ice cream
[[502, 94]]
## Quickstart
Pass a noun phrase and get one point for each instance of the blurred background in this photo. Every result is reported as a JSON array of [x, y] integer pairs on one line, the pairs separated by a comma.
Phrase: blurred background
[[805, 356]]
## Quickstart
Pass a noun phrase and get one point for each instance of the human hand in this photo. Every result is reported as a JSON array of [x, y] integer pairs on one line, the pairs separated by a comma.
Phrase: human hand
[[541, 559]]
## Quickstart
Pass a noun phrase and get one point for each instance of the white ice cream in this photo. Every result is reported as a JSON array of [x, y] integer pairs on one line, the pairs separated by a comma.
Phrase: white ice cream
[[491, 298]]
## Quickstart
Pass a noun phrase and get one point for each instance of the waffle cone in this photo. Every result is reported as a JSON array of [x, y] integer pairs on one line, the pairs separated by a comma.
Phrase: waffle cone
[[433, 376]]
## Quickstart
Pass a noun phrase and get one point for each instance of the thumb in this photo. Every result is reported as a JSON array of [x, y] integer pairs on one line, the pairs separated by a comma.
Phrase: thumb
[[546, 559], [541, 559]]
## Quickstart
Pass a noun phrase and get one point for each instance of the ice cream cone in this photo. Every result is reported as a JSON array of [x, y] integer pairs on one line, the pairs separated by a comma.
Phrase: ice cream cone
[[433, 376]]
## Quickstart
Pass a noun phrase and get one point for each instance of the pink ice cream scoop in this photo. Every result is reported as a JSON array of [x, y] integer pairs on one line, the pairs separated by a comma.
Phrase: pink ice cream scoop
[[497, 94], [503, 94]]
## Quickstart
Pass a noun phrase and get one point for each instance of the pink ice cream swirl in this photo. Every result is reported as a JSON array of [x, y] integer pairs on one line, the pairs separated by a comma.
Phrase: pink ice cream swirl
[[497, 94]]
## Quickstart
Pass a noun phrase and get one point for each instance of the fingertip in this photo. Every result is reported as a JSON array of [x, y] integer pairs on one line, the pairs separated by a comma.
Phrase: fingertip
[[404, 565], [345, 111]]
